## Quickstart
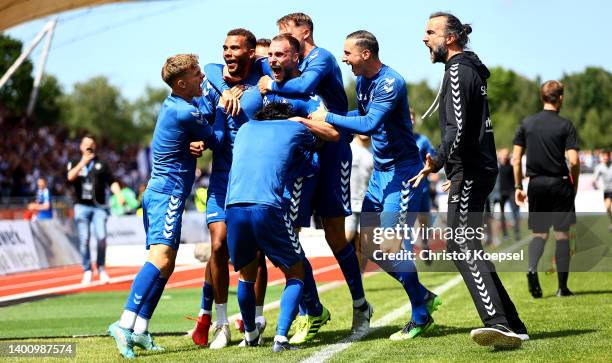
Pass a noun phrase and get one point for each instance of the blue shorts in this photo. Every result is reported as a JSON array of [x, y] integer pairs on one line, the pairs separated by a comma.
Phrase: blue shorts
[[332, 193], [252, 227], [298, 200], [215, 202], [390, 194], [425, 205], [162, 217]]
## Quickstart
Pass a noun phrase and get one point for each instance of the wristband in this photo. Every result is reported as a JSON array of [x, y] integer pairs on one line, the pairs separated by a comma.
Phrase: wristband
[[518, 187]]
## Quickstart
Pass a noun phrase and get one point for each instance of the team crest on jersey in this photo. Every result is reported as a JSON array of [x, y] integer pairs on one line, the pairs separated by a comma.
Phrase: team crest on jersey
[[488, 125], [388, 86]]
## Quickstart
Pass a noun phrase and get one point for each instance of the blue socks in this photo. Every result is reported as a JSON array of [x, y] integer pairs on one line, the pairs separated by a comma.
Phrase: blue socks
[[149, 305], [310, 303], [246, 301], [288, 306], [405, 273], [207, 297], [141, 287], [347, 259]]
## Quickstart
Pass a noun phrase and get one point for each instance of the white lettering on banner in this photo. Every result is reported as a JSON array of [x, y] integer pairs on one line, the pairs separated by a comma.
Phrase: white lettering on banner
[[17, 250]]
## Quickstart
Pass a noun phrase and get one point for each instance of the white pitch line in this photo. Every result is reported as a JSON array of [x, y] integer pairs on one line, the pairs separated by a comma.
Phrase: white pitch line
[[330, 350]]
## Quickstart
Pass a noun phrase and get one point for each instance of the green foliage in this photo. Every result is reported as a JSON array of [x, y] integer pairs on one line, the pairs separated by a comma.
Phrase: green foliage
[[47, 110], [421, 97], [97, 107], [145, 109], [588, 104], [512, 97], [15, 94]]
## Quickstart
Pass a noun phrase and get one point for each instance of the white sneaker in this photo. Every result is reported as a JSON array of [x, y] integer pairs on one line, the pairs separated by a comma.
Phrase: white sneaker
[[524, 337], [221, 336], [497, 335], [104, 278], [261, 327], [86, 280]]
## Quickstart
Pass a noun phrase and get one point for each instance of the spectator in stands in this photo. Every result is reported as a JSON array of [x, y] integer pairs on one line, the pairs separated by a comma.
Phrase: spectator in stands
[[90, 178], [42, 205]]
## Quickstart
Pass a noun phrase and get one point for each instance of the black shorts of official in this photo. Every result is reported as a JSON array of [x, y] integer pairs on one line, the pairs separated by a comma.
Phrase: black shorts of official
[[608, 195], [551, 204]]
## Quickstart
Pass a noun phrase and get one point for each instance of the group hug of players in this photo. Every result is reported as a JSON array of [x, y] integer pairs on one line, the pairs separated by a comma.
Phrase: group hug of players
[[279, 129]]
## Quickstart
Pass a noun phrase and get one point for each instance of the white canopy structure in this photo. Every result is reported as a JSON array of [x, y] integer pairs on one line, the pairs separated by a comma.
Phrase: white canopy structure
[[14, 12]]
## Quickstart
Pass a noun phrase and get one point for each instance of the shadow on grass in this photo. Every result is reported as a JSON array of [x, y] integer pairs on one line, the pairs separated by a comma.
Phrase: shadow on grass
[[593, 292], [444, 330], [580, 293], [559, 333]]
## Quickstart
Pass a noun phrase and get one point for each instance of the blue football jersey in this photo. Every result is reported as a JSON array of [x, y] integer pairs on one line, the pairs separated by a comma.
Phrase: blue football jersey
[[266, 155], [383, 113], [321, 75], [250, 103], [179, 123]]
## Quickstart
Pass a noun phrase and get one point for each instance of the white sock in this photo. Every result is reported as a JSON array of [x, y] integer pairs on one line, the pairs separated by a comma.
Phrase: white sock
[[204, 312], [260, 320], [141, 326], [221, 310], [359, 302], [280, 338], [258, 311], [251, 335], [127, 320]]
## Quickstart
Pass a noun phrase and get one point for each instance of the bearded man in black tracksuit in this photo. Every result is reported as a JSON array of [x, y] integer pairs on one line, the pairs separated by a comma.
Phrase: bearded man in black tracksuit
[[467, 153]]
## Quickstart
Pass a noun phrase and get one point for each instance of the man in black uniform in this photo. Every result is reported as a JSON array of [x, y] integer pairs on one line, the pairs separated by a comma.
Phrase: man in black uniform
[[551, 192], [91, 177], [467, 153]]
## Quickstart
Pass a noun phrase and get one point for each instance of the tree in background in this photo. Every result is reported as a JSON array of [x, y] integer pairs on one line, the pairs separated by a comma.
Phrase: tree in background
[[97, 107], [588, 104], [145, 109]]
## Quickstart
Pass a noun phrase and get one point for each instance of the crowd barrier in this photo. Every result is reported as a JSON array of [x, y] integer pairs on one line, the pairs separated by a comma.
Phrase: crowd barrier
[[39, 244]]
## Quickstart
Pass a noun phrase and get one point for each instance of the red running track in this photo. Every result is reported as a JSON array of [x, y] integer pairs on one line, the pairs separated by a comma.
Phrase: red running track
[[66, 280]]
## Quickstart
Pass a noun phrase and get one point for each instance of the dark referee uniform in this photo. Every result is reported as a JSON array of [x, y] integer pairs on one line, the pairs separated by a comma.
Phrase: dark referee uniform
[[468, 155], [546, 136]]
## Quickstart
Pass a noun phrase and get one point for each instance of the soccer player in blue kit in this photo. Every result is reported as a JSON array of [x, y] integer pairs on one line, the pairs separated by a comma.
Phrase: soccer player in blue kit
[[239, 56], [320, 74], [383, 114], [282, 65], [269, 147], [179, 122]]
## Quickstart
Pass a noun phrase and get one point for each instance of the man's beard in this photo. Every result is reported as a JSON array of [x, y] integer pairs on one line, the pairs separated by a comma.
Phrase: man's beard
[[439, 54]]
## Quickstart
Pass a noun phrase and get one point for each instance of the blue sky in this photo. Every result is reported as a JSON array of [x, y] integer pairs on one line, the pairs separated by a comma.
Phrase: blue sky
[[129, 42]]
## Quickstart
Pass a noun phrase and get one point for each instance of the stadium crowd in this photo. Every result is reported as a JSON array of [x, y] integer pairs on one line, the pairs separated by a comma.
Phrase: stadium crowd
[[27, 153]]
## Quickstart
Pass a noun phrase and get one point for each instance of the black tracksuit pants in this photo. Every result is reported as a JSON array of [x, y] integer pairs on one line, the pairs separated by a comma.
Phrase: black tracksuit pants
[[466, 200]]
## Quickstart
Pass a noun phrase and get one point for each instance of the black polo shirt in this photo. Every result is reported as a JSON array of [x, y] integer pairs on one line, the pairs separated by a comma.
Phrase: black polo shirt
[[546, 136], [91, 183]]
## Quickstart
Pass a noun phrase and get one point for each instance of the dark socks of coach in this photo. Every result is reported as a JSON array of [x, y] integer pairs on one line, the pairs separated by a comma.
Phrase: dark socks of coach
[[536, 249], [562, 255]]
